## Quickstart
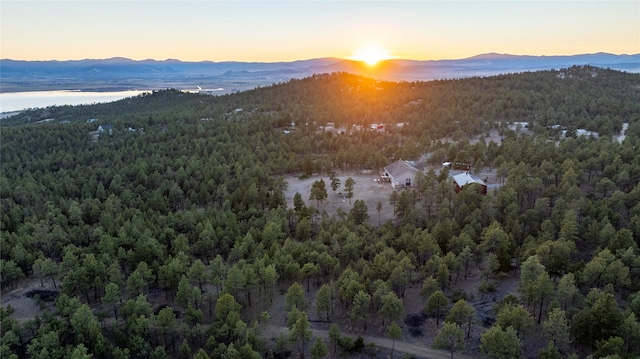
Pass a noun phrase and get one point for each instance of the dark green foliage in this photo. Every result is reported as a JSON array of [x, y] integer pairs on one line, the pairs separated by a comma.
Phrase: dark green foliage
[[350, 346], [318, 191], [359, 213], [348, 188], [168, 102], [450, 337], [598, 321], [197, 202]]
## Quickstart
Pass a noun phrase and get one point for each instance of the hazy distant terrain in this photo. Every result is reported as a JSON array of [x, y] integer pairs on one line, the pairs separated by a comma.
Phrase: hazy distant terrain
[[122, 74]]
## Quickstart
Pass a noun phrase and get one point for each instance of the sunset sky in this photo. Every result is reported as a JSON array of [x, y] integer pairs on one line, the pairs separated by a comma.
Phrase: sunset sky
[[269, 31]]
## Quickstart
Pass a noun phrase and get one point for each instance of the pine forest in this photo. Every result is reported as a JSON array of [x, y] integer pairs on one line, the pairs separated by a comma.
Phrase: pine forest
[[258, 224]]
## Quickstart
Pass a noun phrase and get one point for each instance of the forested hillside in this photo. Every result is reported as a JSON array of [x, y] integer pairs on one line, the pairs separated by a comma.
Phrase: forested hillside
[[171, 236]]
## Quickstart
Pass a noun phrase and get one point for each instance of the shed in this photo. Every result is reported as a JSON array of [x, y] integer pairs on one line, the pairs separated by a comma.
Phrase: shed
[[465, 178]]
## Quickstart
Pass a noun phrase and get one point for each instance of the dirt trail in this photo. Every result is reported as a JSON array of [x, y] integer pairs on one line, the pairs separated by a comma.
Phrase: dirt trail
[[420, 351]]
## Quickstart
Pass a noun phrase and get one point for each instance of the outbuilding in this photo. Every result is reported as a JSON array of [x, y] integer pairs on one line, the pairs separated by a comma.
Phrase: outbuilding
[[400, 174], [465, 179]]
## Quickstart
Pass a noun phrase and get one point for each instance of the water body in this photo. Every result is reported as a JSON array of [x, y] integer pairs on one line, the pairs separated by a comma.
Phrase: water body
[[18, 101]]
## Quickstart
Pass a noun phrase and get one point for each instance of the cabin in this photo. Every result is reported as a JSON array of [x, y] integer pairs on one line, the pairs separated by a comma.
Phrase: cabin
[[400, 174], [466, 179]]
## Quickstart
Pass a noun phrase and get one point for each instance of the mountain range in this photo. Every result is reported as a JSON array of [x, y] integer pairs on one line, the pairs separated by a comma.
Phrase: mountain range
[[122, 73]]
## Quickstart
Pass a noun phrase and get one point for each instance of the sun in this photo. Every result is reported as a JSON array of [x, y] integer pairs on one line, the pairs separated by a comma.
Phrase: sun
[[371, 55]]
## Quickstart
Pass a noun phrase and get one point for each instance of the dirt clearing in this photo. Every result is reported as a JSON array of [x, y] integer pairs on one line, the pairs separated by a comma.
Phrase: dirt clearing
[[365, 189]]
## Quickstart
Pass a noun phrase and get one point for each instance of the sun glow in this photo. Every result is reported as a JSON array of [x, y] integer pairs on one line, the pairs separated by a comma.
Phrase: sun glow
[[371, 55]]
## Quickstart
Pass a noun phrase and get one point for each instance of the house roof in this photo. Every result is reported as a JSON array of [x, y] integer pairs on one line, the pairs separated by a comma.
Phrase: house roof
[[400, 168], [465, 178]]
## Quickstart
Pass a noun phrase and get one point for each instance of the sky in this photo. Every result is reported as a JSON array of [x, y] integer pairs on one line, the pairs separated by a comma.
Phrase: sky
[[271, 31]]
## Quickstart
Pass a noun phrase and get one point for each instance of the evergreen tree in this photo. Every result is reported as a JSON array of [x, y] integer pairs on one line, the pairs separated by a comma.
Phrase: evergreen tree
[[394, 332], [348, 188], [318, 191], [450, 337], [501, 343]]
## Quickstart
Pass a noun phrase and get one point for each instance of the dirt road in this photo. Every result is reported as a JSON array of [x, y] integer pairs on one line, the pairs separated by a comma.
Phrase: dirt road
[[419, 351]]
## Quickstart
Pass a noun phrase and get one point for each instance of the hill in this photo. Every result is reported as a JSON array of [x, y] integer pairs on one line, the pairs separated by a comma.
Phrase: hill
[[581, 97], [207, 226]]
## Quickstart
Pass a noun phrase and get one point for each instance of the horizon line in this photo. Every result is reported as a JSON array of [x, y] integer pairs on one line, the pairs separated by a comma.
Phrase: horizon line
[[320, 58]]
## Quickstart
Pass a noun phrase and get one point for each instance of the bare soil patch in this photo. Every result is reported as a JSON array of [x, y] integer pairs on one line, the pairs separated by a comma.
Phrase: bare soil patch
[[491, 136], [29, 298], [365, 189]]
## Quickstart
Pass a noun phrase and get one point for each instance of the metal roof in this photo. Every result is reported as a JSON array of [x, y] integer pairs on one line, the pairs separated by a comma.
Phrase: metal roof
[[400, 168], [464, 178]]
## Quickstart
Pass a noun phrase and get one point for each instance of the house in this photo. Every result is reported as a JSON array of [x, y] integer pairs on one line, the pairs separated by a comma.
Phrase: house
[[466, 178], [108, 128], [400, 174]]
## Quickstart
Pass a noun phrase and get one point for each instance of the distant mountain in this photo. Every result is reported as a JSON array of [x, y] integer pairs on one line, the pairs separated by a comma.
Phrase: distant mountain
[[123, 73]]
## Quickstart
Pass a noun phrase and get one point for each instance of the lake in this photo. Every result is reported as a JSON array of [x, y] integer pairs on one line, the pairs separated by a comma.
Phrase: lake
[[17, 101]]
